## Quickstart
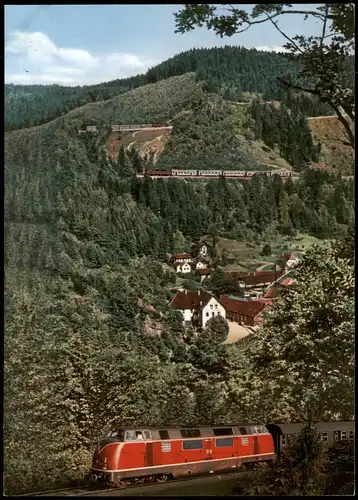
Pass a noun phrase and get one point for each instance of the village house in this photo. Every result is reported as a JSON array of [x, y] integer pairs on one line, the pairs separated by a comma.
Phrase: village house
[[183, 268], [204, 273], [197, 307], [182, 257], [203, 252], [200, 265], [287, 261], [260, 279], [244, 312]]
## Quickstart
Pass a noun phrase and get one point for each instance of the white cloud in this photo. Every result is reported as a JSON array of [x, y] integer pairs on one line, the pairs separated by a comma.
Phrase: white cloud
[[39, 60], [272, 48]]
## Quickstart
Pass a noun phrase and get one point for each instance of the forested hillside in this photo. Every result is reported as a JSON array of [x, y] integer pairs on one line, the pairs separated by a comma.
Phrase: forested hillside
[[85, 240], [229, 72]]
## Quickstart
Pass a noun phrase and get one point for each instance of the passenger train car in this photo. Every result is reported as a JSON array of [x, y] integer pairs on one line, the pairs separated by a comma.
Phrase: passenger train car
[[127, 455], [233, 174], [330, 433]]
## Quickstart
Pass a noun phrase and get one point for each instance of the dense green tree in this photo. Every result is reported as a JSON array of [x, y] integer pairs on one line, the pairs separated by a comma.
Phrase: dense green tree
[[308, 339], [219, 286]]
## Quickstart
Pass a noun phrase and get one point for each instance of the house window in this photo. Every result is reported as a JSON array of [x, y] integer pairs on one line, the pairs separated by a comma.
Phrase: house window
[[213, 314], [324, 436], [207, 314], [211, 306], [216, 306], [193, 445], [283, 440], [224, 442], [344, 435], [350, 434]]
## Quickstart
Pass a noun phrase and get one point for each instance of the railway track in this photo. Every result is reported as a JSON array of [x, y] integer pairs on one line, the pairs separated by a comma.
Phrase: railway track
[[92, 491], [71, 491]]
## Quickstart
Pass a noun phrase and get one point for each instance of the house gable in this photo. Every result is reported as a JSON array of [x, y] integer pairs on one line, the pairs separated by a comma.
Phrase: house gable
[[211, 310]]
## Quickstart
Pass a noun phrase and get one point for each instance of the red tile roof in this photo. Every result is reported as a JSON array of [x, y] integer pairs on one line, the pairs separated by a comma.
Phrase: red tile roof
[[186, 299], [271, 293], [287, 281], [250, 308], [182, 256], [261, 277]]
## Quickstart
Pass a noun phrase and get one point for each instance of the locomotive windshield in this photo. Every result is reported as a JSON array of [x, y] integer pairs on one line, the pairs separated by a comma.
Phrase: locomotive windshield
[[117, 433], [128, 435]]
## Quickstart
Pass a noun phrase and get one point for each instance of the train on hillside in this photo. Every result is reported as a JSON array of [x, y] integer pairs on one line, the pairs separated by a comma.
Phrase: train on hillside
[[129, 455], [139, 126], [215, 174]]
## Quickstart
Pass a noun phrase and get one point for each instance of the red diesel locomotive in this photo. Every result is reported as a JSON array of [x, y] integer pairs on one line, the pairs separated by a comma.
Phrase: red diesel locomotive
[[126, 455]]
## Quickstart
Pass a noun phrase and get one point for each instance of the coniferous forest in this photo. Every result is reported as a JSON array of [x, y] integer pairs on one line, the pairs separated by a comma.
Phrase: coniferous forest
[[87, 242], [230, 72]]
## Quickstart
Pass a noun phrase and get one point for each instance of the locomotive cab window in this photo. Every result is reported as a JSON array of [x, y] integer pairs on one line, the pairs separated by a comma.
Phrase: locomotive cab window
[[243, 430], [130, 436], [119, 434], [197, 444]]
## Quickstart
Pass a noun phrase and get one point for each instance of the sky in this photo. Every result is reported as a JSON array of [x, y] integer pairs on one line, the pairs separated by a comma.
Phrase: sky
[[89, 44]]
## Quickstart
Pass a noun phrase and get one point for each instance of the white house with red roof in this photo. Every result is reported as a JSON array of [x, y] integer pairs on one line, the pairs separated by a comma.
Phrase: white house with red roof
[[182, 257], [184, 267], [183, 262], [197, 307]]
